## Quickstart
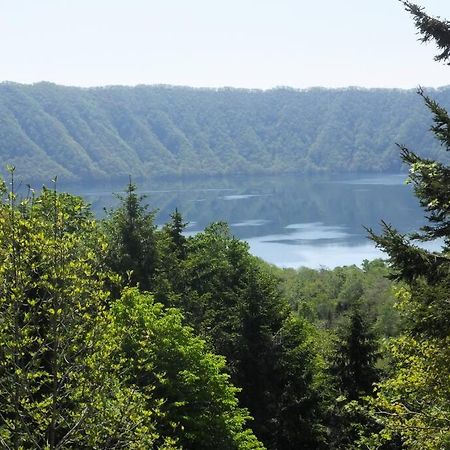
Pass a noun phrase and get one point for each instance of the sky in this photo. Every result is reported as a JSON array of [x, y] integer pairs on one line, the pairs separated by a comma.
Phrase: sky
[[214, 43]]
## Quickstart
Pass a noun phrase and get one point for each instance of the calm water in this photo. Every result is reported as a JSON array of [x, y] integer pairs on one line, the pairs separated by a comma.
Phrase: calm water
[[288, 220]]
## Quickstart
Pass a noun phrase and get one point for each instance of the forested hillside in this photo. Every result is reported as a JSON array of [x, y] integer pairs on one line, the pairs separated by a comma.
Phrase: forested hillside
[[119, 334], [111, 132]]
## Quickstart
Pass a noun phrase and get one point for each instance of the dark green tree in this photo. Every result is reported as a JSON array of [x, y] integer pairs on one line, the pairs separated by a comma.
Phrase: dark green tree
[[355, 355], [175, 229], [237, 307], [353, 372], [131, 233], [300, 389], [171, 283], [414, 400], [424, 269]]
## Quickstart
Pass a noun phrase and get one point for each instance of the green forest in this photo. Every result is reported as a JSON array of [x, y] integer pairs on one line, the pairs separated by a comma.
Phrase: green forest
[[118, 334], [104, 133]]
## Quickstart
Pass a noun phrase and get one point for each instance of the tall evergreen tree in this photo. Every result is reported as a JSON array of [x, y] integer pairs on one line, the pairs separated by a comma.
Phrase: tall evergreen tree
[[175, 230], [355, 356], [236, 305], [414, 400], [171, 282], [353, 371], [132, 250]]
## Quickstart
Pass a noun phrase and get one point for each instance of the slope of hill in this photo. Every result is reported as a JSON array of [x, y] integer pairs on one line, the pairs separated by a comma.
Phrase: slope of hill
[[107, 133]]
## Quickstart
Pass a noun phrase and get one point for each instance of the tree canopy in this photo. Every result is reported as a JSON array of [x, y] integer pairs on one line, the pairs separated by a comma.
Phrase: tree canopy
[[109, 133], [413, 402]]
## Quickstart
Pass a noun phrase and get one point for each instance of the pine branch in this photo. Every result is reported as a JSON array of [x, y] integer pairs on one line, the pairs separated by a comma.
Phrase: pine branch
[[431, 181], [441, 119], [410, 261], [431, 28]]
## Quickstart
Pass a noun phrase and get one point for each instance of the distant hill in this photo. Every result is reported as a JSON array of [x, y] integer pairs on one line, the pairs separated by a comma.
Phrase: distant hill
[[108, 133]]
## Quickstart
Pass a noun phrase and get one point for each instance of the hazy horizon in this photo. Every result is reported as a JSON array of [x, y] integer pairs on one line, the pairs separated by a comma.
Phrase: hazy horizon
[[238, 43], [218, 88]]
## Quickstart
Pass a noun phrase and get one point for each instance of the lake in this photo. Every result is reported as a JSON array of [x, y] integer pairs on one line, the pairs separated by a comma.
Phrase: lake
[[290, 220]]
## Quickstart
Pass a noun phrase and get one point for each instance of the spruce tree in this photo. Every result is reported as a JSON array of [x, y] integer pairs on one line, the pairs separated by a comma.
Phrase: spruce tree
[[171, 283], [131, 231], [431, 182], [430, 178], [175, 229], [413, 401], [355, 356], [234, 302]]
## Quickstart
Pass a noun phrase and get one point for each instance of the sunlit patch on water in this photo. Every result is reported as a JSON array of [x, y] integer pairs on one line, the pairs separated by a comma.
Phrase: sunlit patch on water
[[290, 220], [311, 232], [241, 196], [251, 223]]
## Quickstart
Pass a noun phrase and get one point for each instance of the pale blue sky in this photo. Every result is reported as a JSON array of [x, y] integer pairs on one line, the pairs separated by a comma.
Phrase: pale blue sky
[[240, 43]]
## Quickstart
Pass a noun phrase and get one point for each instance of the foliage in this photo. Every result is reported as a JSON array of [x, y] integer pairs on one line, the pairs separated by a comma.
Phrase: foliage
[[131, 235], [324, 296], [199, 405], [57, 388], [94, 372], [109, 133], [414, 401]]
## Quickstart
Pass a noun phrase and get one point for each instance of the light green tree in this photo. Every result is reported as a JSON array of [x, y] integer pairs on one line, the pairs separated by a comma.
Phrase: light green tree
[[165, 360], [58, 388]]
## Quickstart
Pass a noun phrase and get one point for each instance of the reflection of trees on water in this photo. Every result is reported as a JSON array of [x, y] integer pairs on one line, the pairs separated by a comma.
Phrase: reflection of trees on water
[[266, 205]]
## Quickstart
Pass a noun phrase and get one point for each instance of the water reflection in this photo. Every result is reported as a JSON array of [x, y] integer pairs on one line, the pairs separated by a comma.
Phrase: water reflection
[[289, 220]]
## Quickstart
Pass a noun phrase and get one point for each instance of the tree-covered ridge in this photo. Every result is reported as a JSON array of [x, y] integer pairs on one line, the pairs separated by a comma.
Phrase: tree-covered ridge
[[111, 132], [117, 334]]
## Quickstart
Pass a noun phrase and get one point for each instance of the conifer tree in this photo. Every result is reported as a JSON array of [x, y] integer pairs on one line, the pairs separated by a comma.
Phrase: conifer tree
[[355, 356], [131, 231], [353, 372], [430, 179], [171, 284], [236, 305], [175, 230], [413, 401]]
